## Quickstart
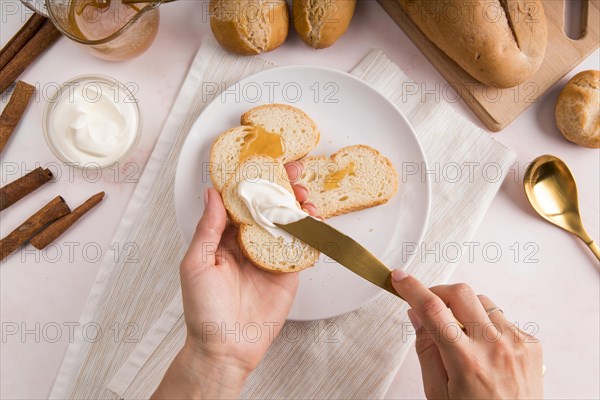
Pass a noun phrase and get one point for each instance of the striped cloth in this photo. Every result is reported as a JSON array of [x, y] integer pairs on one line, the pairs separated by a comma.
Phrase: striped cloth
[[355, 355]]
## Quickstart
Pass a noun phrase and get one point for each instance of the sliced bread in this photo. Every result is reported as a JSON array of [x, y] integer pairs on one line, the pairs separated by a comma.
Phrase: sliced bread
[[279, 131], [354, 178], [273, 254]]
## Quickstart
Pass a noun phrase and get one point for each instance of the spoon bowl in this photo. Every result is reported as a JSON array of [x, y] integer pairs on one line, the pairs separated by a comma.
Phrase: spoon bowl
[[552, 191]]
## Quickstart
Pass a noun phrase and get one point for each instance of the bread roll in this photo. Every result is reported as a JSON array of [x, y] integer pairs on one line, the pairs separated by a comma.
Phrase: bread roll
[[320, 23], [578, 109], [498, 42], [249, 27]]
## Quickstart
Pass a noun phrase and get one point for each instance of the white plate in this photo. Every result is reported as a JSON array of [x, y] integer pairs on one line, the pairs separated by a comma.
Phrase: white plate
[[347, 111]]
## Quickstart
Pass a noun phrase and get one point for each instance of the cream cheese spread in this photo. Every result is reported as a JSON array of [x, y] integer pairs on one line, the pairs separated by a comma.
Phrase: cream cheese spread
[[270, 203]]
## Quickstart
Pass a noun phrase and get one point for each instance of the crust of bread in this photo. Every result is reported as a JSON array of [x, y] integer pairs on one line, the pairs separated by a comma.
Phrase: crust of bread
[[578, 109], [249, 27], [320, 23], [214, 163], [248, 119], [310, 255], [500, 43]]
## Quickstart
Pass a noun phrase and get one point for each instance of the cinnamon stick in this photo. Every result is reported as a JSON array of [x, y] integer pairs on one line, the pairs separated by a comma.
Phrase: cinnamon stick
[[51, 212], [44, 38], [23, 186], [56, 229], [14, 111], [17, 42]]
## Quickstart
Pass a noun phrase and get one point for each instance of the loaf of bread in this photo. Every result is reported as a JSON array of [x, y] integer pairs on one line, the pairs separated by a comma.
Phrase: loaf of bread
[[352, 179], [578, 109], [271, 253], [500, 43], [320, 23], [249, 27], [282, 132]]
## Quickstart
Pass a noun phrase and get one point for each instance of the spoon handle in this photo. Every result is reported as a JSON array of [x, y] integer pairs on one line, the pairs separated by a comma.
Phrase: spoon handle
[[594, 247], [583, 235]]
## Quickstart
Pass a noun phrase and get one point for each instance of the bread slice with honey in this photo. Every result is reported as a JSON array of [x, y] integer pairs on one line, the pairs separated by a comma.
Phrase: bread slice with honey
[[282, 132], [352, 179], [268, 252]]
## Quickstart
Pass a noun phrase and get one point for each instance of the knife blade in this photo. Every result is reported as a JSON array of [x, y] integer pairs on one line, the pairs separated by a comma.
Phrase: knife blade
[[343, 249]]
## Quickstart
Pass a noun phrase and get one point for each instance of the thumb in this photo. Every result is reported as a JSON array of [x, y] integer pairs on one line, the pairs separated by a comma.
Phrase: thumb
[[435, 378], [208, 233]]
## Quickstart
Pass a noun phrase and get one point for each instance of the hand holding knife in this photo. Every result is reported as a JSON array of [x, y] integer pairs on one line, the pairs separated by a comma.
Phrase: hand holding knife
[[348, 251]]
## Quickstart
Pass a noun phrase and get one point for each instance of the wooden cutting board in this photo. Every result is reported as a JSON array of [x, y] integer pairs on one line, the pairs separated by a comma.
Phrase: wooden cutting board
[[499, 107]]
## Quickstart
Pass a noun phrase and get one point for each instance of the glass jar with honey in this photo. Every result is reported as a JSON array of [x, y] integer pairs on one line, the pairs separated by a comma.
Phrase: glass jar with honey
[[114, 30]]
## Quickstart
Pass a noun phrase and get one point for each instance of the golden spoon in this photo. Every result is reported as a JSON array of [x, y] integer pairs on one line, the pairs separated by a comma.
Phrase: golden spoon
[[551, 190]]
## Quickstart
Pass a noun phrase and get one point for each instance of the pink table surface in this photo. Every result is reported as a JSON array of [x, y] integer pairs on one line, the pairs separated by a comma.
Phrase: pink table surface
[[538, 274]]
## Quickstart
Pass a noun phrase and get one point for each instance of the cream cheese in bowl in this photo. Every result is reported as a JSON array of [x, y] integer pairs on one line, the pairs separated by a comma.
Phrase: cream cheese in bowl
[[92, 121]]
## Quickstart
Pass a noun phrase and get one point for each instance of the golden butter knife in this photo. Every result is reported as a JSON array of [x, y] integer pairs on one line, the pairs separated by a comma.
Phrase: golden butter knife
[[343, 249], [347, 251]]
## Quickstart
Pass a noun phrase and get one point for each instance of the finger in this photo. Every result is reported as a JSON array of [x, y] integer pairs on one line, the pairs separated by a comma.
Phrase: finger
[[430, 309], [301, 192], [294, 170], [435, 377], [310, 208], [465, 306], [497, 317], [229, 251], [208, 233]]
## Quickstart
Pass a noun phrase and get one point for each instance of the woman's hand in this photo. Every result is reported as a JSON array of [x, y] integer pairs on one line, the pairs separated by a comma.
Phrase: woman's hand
[[233, 310], [492, 359]]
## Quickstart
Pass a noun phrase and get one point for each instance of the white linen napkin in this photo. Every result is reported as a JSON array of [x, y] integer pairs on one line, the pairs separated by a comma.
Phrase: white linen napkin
[[355, 355]]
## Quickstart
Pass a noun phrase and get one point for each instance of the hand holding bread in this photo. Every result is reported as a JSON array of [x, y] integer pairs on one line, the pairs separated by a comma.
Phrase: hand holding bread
[[219, 286], [222, 288]]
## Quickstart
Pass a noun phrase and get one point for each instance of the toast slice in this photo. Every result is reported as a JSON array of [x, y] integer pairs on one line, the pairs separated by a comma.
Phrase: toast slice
[[352, 179], [270, 253], [279, 131]]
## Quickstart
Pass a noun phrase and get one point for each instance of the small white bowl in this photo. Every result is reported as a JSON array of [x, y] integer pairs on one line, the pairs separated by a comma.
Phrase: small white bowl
[[117, 91]]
